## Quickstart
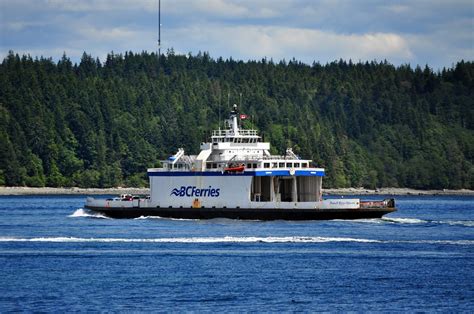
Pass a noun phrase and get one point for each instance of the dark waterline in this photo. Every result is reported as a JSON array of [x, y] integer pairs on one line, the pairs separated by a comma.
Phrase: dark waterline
[[54, 256]]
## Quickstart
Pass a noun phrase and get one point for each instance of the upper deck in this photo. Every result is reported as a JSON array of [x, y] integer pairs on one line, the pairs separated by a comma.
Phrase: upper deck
[[238, 147]]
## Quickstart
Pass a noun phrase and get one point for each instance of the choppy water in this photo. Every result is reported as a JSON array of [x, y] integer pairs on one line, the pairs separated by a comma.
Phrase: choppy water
[[55, 256]]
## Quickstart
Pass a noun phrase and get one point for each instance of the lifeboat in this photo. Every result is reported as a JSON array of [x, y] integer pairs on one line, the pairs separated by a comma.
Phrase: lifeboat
[[234, 169]]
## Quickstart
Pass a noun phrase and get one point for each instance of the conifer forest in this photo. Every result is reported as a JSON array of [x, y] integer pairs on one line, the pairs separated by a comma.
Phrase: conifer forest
[[102, 124]]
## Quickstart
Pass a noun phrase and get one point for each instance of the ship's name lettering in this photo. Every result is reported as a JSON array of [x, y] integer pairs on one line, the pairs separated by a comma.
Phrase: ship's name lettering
[[192, 191]]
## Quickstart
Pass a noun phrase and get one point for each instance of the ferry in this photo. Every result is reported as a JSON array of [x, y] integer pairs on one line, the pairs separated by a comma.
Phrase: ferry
[[235, 176]]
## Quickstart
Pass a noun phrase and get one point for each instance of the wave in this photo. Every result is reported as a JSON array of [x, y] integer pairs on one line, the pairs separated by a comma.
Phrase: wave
[[465, 223], [193, 240], [229, 239], [165, 218], [411, 221], [86, 213], [453, 242], [387, 220], [404, 220]]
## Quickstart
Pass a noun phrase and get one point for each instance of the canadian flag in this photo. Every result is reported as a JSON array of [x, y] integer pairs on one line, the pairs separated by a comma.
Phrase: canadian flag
[[243, 116]]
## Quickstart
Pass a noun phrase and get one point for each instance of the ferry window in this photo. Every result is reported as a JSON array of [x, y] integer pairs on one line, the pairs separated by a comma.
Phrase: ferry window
[[281, 165], [297, 164], [289, 164], [254, 165], [266, 165], [214, 166], [274, 165], [304, 165], [249, 166]]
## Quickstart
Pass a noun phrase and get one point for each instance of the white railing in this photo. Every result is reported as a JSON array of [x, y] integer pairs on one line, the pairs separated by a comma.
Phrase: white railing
[[275, 157], [231, 133]]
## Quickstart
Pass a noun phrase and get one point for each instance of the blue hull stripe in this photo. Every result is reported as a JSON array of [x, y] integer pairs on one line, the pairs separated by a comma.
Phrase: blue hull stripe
[[259, 173], [196, 174]]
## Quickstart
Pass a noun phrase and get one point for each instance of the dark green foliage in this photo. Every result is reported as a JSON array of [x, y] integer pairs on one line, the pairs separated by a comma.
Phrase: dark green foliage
[[102, 125]]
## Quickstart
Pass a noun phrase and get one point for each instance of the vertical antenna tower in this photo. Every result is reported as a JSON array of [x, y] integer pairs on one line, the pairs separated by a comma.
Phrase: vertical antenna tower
[[159, 28]]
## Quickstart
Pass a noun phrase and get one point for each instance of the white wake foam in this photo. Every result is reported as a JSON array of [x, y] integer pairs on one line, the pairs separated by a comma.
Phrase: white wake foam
[[453, 242], [411, 221], [403, 220], [85, 213], [165, 218], [193, 240], [232, 240], [465, 223]]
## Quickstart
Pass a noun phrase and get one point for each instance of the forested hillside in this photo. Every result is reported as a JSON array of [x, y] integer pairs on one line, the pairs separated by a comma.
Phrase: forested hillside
[[101, 125]]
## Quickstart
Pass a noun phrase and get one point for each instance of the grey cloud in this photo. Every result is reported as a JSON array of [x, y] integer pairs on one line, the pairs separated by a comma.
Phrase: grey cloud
[[434, 32]]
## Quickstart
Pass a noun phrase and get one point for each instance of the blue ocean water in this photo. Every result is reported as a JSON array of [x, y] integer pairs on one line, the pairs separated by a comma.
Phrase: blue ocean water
[[55, 256]]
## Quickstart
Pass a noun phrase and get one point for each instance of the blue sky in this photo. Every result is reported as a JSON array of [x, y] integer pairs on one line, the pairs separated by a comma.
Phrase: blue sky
[[437, 33]]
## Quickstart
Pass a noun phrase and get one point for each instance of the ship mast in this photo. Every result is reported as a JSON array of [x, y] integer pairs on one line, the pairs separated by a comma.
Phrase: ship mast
[[233, 116]]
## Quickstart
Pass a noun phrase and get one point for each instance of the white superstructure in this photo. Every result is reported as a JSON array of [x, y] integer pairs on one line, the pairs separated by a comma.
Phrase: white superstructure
[[236, 170]]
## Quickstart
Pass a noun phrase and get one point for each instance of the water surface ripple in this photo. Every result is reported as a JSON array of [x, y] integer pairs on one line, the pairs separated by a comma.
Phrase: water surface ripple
[[55, 256]]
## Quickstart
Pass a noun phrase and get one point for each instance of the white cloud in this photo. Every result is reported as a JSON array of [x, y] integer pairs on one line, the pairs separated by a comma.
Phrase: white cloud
[[101, 5], [254, 42], [113, 34]]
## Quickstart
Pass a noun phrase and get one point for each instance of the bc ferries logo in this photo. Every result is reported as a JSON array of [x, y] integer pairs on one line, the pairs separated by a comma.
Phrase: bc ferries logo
[[193, 191]]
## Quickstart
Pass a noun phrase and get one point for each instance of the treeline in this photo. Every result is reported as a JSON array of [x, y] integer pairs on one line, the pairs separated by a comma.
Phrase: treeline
[[369, 124]]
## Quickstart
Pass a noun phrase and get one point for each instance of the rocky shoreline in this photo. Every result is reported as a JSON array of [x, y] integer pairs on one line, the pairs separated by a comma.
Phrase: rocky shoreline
[[120, 190], [71, 191]]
